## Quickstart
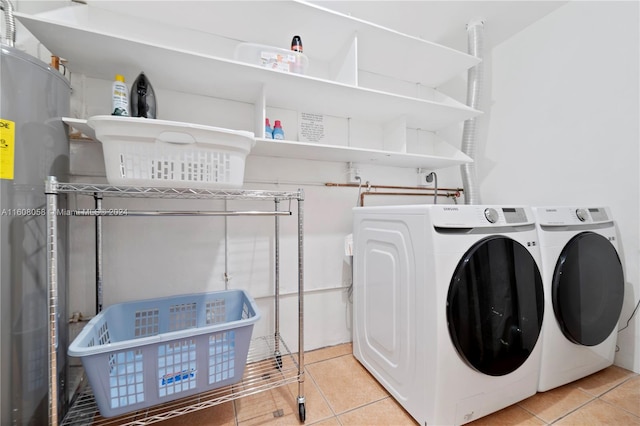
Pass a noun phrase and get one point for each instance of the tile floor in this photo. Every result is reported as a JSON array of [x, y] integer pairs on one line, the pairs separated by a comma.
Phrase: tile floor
[[339, 391]]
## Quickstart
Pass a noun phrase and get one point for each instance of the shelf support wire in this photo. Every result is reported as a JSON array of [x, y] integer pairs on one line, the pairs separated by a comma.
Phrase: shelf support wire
[[124, 213], [52, 291]]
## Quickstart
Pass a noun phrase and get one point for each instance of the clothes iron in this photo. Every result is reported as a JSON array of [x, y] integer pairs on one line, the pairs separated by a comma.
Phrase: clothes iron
[[143, 98]]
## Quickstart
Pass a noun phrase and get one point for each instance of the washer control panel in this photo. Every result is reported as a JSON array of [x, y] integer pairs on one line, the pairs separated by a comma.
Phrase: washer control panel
[[470, 216]]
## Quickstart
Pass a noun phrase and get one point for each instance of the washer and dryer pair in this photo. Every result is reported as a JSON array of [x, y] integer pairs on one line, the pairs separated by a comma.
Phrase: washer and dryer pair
[[453, 303]]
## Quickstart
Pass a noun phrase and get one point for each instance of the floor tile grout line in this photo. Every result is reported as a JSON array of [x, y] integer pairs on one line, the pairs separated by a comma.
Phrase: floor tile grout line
[[579, 407], [619, 408], [326, 359], [593, 398], [619, 384], [600, 394], [322, 394], [363, 406], [337, 415], [532, 413]]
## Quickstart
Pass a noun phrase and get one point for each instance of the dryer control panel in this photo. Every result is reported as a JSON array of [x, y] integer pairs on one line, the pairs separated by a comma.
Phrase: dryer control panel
[[479, 216], [562, 216]]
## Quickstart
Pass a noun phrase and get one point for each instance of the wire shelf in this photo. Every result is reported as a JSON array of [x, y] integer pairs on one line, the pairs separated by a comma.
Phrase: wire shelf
[[160, 192], [266, 369]]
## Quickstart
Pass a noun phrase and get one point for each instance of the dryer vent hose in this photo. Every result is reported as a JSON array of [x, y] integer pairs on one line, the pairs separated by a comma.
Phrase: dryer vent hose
[[475, 82], [10, 21]]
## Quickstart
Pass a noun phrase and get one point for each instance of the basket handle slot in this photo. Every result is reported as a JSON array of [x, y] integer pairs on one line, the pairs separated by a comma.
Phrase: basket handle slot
[[176, 137]]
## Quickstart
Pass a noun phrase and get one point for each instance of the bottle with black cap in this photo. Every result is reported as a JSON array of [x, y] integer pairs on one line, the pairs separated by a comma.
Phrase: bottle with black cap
[[296, 46]]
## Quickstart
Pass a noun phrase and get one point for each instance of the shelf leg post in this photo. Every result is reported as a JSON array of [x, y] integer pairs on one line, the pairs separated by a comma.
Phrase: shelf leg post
[[52, 291], [301, 397], [277, 285], [98, 203]]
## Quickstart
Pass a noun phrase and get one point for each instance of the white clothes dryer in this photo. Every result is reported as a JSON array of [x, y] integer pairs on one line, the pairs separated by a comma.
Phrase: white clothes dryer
[[448, 306], [584, 289]]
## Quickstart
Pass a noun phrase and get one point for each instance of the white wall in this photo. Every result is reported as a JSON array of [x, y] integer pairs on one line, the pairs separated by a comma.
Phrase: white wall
[[562, 126]]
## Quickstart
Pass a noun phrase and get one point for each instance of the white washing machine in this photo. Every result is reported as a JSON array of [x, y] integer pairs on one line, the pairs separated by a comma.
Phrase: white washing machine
[[448, 306], [584, 290]]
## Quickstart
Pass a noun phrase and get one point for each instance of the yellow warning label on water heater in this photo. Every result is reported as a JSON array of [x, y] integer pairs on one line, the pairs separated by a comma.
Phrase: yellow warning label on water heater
[[7, 148]]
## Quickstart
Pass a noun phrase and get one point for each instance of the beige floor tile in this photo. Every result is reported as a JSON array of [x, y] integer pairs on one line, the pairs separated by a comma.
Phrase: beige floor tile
[[604, 380], [385, 412], [329, 422], [275, 403], [218, 415], [626, 396], [316, 407], [327, 353], [510, 416], [345, 383], [556, 403], [598, 413], [288, 420]]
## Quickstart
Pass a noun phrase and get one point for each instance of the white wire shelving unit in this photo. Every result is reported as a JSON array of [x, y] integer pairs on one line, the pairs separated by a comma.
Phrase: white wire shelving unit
[[270, 363]]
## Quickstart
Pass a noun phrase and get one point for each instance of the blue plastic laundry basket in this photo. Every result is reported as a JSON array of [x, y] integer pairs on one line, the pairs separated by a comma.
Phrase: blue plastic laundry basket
[[148, 352]]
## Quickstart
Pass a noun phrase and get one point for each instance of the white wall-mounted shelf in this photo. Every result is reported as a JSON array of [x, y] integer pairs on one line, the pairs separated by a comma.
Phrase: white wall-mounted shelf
[[313, 151], [344, 46], [322, 152], [324, 34], [102, 55]]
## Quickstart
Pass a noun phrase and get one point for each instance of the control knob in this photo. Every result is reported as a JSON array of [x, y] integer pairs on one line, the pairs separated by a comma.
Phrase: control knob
[[491, 215], [582, 215]]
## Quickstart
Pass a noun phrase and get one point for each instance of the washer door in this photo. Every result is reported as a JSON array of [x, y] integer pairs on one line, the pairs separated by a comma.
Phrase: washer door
[[495, 305], [587, 289]]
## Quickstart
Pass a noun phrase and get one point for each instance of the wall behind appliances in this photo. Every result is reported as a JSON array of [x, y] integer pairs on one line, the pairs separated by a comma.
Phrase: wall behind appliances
[[564, 126], [158, 257]]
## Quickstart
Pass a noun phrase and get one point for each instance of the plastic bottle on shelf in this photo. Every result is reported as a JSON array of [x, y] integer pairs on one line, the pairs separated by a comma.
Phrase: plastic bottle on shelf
[[296, 44], [119, 97], [268, 131], [278, 133]]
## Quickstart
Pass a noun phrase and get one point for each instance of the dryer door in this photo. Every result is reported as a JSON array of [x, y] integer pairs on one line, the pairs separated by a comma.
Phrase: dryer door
[[587, 289], [495, 305]]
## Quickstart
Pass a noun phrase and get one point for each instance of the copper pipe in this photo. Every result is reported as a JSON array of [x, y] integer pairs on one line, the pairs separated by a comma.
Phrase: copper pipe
[[448, 194], [412, 188], [55, 62]]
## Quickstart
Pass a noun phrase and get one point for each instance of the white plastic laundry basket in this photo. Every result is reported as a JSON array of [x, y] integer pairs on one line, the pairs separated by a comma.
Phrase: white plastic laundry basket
[[148, 152]]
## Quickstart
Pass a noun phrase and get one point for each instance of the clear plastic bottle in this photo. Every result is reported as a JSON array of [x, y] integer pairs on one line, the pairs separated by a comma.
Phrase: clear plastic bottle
[[278, 133], [268, 131], [296, 46], [119, 97]]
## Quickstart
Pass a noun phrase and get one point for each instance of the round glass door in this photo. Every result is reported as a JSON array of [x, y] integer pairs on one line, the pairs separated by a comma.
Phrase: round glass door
[[495, 305], [588, 289]]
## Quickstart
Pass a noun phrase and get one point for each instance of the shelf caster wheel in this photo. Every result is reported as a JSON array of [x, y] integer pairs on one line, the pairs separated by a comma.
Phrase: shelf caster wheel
[[301, 411]]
